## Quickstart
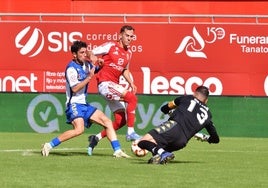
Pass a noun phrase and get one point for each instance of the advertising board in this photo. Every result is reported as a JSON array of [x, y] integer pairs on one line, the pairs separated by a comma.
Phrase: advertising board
[[44, 113], [231, 59]]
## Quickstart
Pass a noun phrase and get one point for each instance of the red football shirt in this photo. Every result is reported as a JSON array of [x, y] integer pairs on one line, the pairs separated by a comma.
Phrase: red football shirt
[[116, 59]]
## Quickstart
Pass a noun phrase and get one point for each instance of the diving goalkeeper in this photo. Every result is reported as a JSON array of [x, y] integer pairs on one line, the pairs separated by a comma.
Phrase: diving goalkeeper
[[189, 114]]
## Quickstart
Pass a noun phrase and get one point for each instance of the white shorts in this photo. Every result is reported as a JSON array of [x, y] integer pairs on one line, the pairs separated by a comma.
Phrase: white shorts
[[112, 93]]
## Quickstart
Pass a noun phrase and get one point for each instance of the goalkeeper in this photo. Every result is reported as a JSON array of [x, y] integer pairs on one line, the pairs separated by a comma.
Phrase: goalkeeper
[[188, 115]]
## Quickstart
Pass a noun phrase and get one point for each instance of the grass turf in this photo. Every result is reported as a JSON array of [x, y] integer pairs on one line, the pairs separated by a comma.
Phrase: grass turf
[[233, 163]]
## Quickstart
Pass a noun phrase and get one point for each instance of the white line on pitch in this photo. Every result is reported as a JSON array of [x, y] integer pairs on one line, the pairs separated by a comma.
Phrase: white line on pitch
[[55, 149]]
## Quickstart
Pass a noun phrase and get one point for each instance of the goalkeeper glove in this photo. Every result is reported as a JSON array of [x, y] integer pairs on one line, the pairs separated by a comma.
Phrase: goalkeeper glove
[[165, 109], [170, 112], [201, 137]]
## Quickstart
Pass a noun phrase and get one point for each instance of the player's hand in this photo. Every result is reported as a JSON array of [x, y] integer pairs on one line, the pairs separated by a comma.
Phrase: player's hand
[[170, 112], [201, 137], [92, 72], [95, 59], [99, 62], [134, 88], [165, 109]]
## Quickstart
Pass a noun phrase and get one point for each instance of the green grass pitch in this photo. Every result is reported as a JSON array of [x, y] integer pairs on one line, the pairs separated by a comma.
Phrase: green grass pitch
[[233, 163]]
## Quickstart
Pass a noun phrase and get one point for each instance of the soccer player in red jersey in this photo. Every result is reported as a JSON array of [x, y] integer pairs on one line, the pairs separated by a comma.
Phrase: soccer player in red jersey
[[114, 59]]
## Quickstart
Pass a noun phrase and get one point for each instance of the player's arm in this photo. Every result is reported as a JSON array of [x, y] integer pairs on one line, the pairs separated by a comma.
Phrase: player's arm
[[170, 105], [98, 52], [96, 68], [126, 75], [213, 136], [95, 59]]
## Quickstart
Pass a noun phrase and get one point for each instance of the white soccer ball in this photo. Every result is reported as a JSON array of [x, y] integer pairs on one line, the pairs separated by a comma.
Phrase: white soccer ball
[[136, 150]]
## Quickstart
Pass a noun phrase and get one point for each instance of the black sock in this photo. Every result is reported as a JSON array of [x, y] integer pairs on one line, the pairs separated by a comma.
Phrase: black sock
[[150, 146]]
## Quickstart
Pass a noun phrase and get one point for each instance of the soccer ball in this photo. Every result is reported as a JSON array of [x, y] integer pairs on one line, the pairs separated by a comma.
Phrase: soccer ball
[[136, 150]]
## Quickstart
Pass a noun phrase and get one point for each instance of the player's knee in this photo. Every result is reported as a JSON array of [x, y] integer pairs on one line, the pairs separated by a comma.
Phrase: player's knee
[[78, 132], [106, 122], [121, 123], [130, 98], [119, 119]]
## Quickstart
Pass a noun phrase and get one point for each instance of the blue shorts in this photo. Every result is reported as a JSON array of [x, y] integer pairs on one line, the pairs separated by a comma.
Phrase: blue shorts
[[76, 110]]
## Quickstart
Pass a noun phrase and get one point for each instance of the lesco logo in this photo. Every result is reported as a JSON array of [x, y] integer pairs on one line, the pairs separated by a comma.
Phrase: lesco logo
[[195, 44], [30, 41], [266, 85]]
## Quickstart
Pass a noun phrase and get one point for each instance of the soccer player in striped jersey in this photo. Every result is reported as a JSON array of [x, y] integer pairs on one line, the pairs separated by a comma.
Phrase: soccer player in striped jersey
[[79, 113]]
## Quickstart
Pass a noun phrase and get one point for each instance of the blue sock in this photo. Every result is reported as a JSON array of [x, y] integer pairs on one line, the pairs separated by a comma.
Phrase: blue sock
[[116, 145], [55, 142]]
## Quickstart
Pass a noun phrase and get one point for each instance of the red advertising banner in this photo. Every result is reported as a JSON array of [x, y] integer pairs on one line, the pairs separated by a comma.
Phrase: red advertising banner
[[230, 59]]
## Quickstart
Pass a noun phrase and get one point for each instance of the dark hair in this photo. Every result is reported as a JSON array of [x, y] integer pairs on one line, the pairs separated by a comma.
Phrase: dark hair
[[203, 90], [77, 45], [126, 27]]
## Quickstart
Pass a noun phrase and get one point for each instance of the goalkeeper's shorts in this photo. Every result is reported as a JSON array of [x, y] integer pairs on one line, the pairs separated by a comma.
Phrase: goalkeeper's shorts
[[169, 135]]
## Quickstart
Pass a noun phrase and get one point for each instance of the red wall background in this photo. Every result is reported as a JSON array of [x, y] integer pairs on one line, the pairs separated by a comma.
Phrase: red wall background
[[134, 7]]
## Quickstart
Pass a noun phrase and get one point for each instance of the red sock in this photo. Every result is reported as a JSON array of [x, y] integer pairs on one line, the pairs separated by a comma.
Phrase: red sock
[[119, 121], [131, 101]]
